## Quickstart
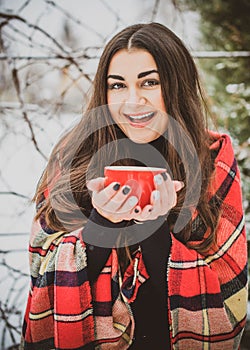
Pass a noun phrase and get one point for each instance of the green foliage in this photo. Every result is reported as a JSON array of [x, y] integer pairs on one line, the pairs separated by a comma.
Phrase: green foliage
[[224, 23], [224, 26]]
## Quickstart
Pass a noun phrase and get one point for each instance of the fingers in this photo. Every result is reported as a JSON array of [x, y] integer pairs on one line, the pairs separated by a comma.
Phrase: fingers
[[164, 195], [123, 212], [122, 201], [178, 185], [145, 213], [118, 203], [104, 195], [163, 198], [114, 202], [96, 184]]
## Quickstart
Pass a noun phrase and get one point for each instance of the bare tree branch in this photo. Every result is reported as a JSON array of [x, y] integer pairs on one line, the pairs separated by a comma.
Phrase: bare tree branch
[[155, 10], [23, 6], [76, 20], [14, 194], [11, 17], [195, 54], [117, 17], [24, 113], [12, 269]]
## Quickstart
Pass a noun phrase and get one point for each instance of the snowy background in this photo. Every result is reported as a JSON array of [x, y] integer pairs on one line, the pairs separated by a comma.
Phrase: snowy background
[[49, 57]]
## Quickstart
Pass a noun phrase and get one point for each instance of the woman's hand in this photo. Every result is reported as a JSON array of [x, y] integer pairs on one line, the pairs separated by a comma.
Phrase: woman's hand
[[163, 198], [117, 203], [114, 202]]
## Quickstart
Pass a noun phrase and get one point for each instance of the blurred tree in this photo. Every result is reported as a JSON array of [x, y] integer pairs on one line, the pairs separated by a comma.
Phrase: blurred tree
[[224, 26]]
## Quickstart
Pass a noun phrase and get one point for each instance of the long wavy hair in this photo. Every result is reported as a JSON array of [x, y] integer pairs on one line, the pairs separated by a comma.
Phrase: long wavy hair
[[83, 152]]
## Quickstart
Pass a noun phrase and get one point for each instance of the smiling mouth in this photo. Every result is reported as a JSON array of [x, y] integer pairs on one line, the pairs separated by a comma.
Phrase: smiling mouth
[[140, 118]]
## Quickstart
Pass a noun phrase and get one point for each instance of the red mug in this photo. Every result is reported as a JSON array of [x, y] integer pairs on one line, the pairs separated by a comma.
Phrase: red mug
[[139, 178]]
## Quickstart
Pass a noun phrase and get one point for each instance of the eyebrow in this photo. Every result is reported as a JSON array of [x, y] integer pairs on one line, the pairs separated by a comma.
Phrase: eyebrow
[[114, 76], [140, 75], [143, 74]]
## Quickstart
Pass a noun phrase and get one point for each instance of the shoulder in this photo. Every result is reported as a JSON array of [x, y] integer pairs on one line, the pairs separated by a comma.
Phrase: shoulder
[[221, 143], [225, 162]]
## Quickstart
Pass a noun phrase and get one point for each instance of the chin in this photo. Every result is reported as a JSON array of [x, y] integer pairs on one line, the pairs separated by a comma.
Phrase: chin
[[143, 138]]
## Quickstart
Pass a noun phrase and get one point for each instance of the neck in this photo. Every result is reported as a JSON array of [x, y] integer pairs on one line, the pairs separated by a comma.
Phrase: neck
[[151, 154]]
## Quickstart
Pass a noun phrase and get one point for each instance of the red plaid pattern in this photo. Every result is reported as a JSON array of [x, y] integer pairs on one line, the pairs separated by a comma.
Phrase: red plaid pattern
[[207, 293]]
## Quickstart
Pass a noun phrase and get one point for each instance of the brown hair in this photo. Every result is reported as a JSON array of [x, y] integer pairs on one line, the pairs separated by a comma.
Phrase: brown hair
[[184, 102]]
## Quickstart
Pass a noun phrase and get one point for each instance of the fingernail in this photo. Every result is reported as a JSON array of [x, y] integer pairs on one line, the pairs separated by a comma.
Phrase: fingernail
[[164, 175], [116, 186], [156, 195], [133, 200], [158, 179], [126, 190]]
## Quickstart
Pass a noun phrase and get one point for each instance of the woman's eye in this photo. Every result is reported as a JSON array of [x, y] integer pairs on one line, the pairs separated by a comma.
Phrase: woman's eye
[[116, 86], [151, 82]]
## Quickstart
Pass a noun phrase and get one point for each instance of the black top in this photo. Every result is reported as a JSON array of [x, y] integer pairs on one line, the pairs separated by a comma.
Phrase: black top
[[150, 307]]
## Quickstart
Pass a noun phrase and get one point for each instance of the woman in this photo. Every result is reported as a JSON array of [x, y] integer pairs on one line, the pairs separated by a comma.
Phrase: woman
[[108, 274]]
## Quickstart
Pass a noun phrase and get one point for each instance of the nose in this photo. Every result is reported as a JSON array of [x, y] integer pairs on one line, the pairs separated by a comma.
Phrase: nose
[[135, 96]]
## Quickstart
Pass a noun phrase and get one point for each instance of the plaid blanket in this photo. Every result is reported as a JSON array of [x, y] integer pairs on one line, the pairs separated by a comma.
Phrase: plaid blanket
[[207, 294]]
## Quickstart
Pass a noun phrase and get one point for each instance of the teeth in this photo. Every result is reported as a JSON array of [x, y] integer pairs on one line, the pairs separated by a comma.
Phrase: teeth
[[138, 117]]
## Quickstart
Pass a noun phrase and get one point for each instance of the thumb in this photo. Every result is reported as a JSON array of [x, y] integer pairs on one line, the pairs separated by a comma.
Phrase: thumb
[[95, 185], [178, 185]]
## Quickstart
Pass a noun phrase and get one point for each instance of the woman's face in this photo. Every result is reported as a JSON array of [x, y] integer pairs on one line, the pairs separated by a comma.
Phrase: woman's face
[[134, 95]]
